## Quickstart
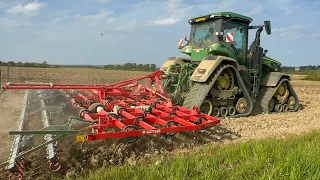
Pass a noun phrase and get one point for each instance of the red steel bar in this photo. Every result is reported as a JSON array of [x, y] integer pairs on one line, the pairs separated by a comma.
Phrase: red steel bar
[[128, 106]]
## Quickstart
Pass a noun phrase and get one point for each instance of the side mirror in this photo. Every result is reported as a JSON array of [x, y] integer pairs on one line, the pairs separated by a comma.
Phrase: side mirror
[[186, 39], [267, 26], [265, 52]]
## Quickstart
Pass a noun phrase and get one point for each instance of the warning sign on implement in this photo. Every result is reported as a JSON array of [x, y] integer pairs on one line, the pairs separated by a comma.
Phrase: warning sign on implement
[[82, 138]]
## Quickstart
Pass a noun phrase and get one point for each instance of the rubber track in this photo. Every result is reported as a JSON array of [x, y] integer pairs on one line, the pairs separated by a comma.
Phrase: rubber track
[[266, 93], [199, 91]]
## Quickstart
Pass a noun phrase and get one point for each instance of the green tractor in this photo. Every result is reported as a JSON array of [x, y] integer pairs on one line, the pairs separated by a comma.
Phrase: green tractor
[[222, 75]]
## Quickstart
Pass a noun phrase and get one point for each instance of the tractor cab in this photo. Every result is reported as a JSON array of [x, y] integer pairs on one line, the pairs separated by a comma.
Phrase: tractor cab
[[222, 33]]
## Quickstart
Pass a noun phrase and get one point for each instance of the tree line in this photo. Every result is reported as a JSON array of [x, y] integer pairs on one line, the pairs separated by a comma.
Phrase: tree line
[[301, 69], [138, 67], [131, 67], [44, 64]]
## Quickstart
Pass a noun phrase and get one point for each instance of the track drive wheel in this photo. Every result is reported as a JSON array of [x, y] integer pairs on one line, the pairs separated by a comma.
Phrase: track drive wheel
[[206, 106], [225, 80]]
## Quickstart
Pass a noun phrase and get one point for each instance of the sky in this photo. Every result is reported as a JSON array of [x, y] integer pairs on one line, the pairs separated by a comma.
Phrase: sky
[[103, 32]]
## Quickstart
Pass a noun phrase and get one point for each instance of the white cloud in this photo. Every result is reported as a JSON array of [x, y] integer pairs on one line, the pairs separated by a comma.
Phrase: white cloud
[[296, 32], [2, 4], [175, 10], [315, 35], [128, 25], [92, 19], [227, 4], [110, 20], [288, 6], [279, 29], [102, 1], [255, 10], [32, 8], [289, 11], [14, 25], [98, 1], [164, 21]]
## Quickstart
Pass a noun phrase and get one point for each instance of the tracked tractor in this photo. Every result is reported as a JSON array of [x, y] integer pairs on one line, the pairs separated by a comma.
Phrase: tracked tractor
[[222, 75]]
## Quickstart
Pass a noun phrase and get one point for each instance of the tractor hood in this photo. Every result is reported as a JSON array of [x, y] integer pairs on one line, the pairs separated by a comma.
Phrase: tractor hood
[[273, 64], [219, 48]]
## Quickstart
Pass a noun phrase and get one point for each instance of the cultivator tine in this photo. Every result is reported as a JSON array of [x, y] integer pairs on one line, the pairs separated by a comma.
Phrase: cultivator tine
[[129, 108], [50, 109], [44, 97], [16, 165], [51, 150]]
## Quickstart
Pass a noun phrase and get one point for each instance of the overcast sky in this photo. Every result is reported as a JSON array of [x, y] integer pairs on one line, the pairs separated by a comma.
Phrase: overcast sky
[[144, 31]]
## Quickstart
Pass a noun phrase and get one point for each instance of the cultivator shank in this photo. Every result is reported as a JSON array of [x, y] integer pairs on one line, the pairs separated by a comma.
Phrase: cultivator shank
[[126, 109]]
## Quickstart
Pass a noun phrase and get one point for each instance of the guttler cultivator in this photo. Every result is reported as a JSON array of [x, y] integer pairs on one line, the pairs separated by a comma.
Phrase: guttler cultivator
[[126, 109]]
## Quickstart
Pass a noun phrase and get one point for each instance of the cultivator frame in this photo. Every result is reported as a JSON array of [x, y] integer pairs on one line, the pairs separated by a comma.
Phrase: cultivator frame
[[126, 109]]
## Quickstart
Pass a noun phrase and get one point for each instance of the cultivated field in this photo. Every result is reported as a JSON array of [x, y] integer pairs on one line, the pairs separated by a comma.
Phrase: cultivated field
[[78, 160]]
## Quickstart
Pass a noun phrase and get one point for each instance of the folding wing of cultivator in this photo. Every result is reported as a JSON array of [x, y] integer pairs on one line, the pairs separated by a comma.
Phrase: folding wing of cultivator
[[127, 109]]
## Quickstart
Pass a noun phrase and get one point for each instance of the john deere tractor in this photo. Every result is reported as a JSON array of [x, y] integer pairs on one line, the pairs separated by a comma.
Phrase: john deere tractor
[[222, 75]]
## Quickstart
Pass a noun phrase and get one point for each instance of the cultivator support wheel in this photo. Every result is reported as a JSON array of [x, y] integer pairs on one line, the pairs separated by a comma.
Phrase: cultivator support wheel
[[126, 109]]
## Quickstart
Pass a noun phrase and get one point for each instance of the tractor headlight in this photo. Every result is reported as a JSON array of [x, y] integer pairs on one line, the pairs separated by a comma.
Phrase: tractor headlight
[[202, 71]]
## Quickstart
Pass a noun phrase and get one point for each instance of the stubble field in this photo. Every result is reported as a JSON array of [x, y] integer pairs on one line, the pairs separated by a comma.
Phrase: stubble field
[[78, 160]]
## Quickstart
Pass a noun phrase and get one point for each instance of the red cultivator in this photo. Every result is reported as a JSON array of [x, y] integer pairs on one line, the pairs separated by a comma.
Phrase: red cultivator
[[125, 109]]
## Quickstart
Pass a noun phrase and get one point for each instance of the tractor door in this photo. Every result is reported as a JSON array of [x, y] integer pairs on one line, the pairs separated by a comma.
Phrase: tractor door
[[236, 33]]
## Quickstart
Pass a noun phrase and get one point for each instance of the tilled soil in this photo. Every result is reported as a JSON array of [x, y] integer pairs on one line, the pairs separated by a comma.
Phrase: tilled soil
[[79, 159], [266, 125]]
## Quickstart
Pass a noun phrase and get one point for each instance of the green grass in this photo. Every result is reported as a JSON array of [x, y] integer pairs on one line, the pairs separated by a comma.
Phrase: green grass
[[292, 158], [313, 76]]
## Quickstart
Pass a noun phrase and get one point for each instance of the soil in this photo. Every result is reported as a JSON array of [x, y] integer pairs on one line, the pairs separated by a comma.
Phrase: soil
[[80, 159]]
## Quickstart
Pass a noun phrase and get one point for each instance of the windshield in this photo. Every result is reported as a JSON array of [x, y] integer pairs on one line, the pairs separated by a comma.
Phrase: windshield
[[203, 34], [236, 34]]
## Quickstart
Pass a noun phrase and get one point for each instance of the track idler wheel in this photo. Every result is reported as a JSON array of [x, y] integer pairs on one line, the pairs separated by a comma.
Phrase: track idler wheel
[[216, 112], [285, 107], [231, 110], [241, 105], [278, 108], [206, 106], [223, 111], [271, 104], [291, 102]]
